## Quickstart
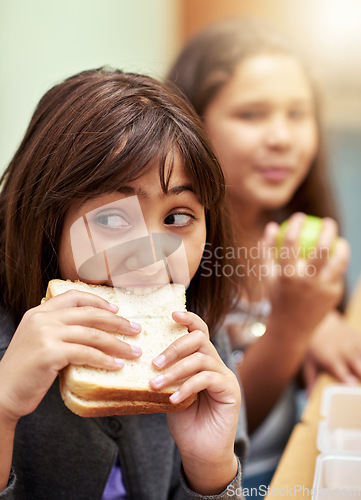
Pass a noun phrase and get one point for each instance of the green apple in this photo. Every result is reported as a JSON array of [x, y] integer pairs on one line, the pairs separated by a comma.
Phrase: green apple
[[308, 237]]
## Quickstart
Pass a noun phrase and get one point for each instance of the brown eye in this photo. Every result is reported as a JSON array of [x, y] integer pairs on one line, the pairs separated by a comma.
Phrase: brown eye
[[252, 115], [297, 114], [178, 219]]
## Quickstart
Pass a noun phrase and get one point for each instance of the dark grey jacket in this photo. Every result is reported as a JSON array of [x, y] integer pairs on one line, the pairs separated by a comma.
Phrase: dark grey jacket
[[58, 455]]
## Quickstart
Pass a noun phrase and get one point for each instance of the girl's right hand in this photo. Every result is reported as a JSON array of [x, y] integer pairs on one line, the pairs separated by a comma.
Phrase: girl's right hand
[[304, 291], [70, 328]]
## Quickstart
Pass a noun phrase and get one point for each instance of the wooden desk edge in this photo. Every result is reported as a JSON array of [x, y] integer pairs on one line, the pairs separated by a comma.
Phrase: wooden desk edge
[[297, 463]]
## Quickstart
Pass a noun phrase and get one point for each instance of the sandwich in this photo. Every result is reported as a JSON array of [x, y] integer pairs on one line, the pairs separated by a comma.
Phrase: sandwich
[[93, 392]]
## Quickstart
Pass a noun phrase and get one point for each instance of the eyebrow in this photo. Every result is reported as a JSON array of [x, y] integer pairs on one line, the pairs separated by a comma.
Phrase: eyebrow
[[262, 102], [173, 191]]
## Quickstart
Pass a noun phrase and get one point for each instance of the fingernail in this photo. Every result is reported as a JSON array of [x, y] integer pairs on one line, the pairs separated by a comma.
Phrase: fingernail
[[136, 350], [135, 326], [113, 307], [158, 380], [174, 397], [119, 362], [181, 313], [159, 360], [351, 380]]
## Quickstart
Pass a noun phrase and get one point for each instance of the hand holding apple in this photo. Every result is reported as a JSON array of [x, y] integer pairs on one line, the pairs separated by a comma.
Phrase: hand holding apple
[[308, 279], [308, 236]]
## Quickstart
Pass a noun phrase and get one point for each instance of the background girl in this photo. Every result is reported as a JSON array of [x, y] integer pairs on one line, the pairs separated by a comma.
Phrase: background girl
[[260, 110], [95, 139]]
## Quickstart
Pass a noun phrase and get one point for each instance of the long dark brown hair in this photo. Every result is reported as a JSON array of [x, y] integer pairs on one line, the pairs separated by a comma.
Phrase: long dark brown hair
[[89, 135], [209, 61]]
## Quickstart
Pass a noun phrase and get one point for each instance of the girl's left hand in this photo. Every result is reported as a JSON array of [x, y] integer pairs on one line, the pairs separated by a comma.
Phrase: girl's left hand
[[204, 432], [335, 348]]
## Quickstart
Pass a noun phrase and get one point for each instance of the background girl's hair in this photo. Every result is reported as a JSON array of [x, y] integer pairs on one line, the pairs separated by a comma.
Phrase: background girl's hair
[[209, 61], [89, 135]]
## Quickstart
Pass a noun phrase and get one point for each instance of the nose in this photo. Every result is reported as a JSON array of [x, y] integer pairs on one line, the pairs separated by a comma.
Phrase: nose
[[278, 133], [138, 254], [155, 248]]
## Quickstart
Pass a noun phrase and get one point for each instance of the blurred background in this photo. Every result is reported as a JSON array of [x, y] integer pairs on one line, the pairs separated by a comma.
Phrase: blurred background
[[42, 42]]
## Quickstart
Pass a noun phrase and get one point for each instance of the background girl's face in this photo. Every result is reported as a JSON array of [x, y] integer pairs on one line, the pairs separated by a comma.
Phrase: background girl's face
[[263, 128], [136, 237]]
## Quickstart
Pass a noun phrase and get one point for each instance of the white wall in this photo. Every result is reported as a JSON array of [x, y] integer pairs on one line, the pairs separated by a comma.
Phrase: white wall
[[44, 41]]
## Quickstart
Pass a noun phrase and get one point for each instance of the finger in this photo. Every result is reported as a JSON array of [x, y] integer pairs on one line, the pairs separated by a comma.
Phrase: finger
[[337, 264], [321, 253], [328, 233], [75, 298], [76, 354], [341, 371], [103, 341], [191, 320], [99, 318], [270, 234], [355, 365], [214, 383], [271, 252], [310, 373], [290, 250], [185, 346], [185, 368]]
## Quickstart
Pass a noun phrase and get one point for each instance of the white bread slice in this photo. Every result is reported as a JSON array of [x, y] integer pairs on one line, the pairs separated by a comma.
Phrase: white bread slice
[[90, 391]]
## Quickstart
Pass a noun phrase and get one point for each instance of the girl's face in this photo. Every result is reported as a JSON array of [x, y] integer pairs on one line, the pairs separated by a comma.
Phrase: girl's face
[[263, 128], [136, 237]]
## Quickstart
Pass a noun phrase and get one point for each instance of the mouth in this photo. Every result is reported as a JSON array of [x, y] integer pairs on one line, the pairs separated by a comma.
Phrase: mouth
[[141, 289], [275, 173], [141, 283]]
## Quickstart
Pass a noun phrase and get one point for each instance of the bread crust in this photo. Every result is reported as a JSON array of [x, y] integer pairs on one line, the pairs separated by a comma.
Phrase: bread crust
[[92, 408], [91, 391]]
